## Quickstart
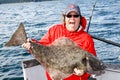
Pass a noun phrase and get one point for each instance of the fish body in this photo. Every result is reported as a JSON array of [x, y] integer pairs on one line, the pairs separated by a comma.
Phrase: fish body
[[62, 56]]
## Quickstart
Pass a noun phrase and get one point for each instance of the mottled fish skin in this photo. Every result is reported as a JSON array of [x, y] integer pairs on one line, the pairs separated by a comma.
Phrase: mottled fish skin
[[61, 57], [59, 60]]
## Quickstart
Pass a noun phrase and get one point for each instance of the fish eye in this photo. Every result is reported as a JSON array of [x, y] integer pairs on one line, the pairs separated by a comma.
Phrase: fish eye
[[84, 60]]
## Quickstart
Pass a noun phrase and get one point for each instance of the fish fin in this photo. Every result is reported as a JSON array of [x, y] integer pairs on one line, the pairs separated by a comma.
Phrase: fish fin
[[19, 37]]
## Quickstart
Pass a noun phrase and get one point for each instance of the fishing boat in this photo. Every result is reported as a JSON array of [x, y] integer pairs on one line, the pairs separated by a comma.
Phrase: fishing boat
[[33, 70]]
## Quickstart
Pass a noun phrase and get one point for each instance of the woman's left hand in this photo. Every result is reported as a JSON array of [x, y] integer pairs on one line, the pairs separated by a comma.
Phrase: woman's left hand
[[78, 72]]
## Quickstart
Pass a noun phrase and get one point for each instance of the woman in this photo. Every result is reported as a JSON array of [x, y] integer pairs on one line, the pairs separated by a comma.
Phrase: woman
[[73, 27]]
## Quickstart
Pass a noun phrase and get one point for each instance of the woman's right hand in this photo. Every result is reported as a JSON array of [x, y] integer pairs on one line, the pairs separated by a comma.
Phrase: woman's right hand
[[27, 44]]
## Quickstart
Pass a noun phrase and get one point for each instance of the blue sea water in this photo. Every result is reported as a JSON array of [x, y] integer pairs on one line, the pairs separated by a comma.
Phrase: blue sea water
[[39, 16]]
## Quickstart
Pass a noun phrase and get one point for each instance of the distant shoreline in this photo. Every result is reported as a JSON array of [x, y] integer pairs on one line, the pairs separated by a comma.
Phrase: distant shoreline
[[20, 1]]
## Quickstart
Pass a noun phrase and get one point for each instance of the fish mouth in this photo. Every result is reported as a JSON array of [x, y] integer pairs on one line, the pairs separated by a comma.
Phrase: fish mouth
[[95, 66]]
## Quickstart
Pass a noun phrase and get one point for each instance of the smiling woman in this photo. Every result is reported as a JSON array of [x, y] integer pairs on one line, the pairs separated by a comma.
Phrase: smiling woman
[[72, 21], [72, 18], [72, 28]]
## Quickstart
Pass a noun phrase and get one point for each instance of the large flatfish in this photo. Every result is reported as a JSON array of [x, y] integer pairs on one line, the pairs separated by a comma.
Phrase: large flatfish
[[61, 57]]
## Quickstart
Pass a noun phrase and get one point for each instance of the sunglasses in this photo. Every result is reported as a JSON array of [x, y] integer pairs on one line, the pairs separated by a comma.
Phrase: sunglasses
[[75, 16]]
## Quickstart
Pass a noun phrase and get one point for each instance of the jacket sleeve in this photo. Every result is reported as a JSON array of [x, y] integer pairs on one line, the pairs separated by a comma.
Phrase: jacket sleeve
[[89, 46]]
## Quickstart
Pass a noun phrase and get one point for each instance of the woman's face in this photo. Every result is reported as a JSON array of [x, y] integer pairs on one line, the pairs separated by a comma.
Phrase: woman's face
[[72, 21]]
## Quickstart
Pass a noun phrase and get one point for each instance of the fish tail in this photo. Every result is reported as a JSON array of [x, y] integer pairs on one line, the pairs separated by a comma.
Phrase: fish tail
[[19, 36]]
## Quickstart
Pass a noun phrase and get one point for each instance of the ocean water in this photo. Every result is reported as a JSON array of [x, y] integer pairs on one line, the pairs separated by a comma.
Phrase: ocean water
[[39, 16]]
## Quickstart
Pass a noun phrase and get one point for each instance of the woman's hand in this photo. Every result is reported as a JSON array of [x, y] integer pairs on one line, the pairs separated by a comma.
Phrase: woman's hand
[[27, 44], [78, 72]]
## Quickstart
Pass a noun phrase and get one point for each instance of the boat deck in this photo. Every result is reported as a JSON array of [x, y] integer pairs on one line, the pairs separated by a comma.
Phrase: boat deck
[[33, 70]]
